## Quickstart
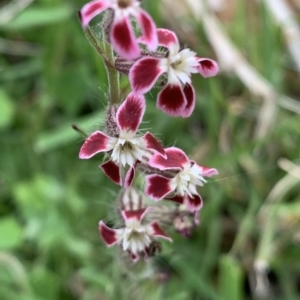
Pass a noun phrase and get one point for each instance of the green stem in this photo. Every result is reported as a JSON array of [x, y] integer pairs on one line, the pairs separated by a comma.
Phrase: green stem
[[105, 50], [112, 74]]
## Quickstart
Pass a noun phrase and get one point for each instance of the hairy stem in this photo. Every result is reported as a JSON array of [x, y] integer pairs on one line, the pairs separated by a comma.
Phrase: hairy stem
[[112, 74], [105, 50]]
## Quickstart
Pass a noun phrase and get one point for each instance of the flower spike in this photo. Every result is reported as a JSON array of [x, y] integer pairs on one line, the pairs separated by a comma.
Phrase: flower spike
[[169, 173]]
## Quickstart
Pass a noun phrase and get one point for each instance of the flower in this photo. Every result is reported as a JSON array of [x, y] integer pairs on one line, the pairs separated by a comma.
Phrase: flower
[[126, 148], [177, 98], [121, 33], [182, 177], [135, 237]]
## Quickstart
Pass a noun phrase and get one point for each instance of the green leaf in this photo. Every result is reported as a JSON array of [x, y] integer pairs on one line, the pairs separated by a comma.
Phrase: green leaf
[[6, 109], [10, 233], [230, 279], [39, 16]]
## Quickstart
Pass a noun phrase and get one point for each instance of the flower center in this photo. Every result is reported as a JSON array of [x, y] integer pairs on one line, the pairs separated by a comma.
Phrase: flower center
[[136, 240], [127, 146], [175, 64], [124, 3], [185, 181], [181, 64], [126, 151], [181, 181], [136, 235]]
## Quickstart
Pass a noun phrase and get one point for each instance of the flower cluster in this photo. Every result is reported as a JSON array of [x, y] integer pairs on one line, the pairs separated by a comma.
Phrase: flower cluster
[[136, 236], [146, 57], [126, 148]]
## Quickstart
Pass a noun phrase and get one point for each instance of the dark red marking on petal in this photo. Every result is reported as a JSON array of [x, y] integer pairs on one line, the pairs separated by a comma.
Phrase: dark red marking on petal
[[112, 171], [144, 73], [189, 94], [193, 203], [166, 38], [109, 235], [91, 9], [131, 112], [95, 143], [148, 29], [207, 67], [129, 177], [123, 39], [153, 144], [177, 198], [157, 186], [171, 100], [176, 159], [134, 214], [134, 257], [158, 232]]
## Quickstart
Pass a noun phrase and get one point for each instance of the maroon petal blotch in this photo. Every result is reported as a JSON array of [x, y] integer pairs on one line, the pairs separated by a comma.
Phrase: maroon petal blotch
[[171, 100], [176, 159], [123, 39], [131, 112], [148, 29], [144, 73], [129, 177], [189, 94], [134, 257], [109, 235], [207, 67], [193, 203], [112, 171], [177, 198], [135, 214], [157, 187], [95, 143], [153, 144], [158, 232], [167, 38]]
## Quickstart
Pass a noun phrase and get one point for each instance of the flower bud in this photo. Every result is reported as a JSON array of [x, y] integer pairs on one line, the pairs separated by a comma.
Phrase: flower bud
[[111, 126]]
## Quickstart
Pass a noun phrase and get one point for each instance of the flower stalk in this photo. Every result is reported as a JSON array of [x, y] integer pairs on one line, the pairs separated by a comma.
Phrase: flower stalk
[[113, 76], [105, 50], [165, 173]]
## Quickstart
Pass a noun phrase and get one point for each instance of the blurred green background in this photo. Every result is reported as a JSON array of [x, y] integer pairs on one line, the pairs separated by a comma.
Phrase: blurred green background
[[247, 246]]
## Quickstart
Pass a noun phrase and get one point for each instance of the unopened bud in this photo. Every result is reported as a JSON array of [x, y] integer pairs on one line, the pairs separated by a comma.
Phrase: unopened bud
[[176, 216], [130, 199], [111, 126]]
